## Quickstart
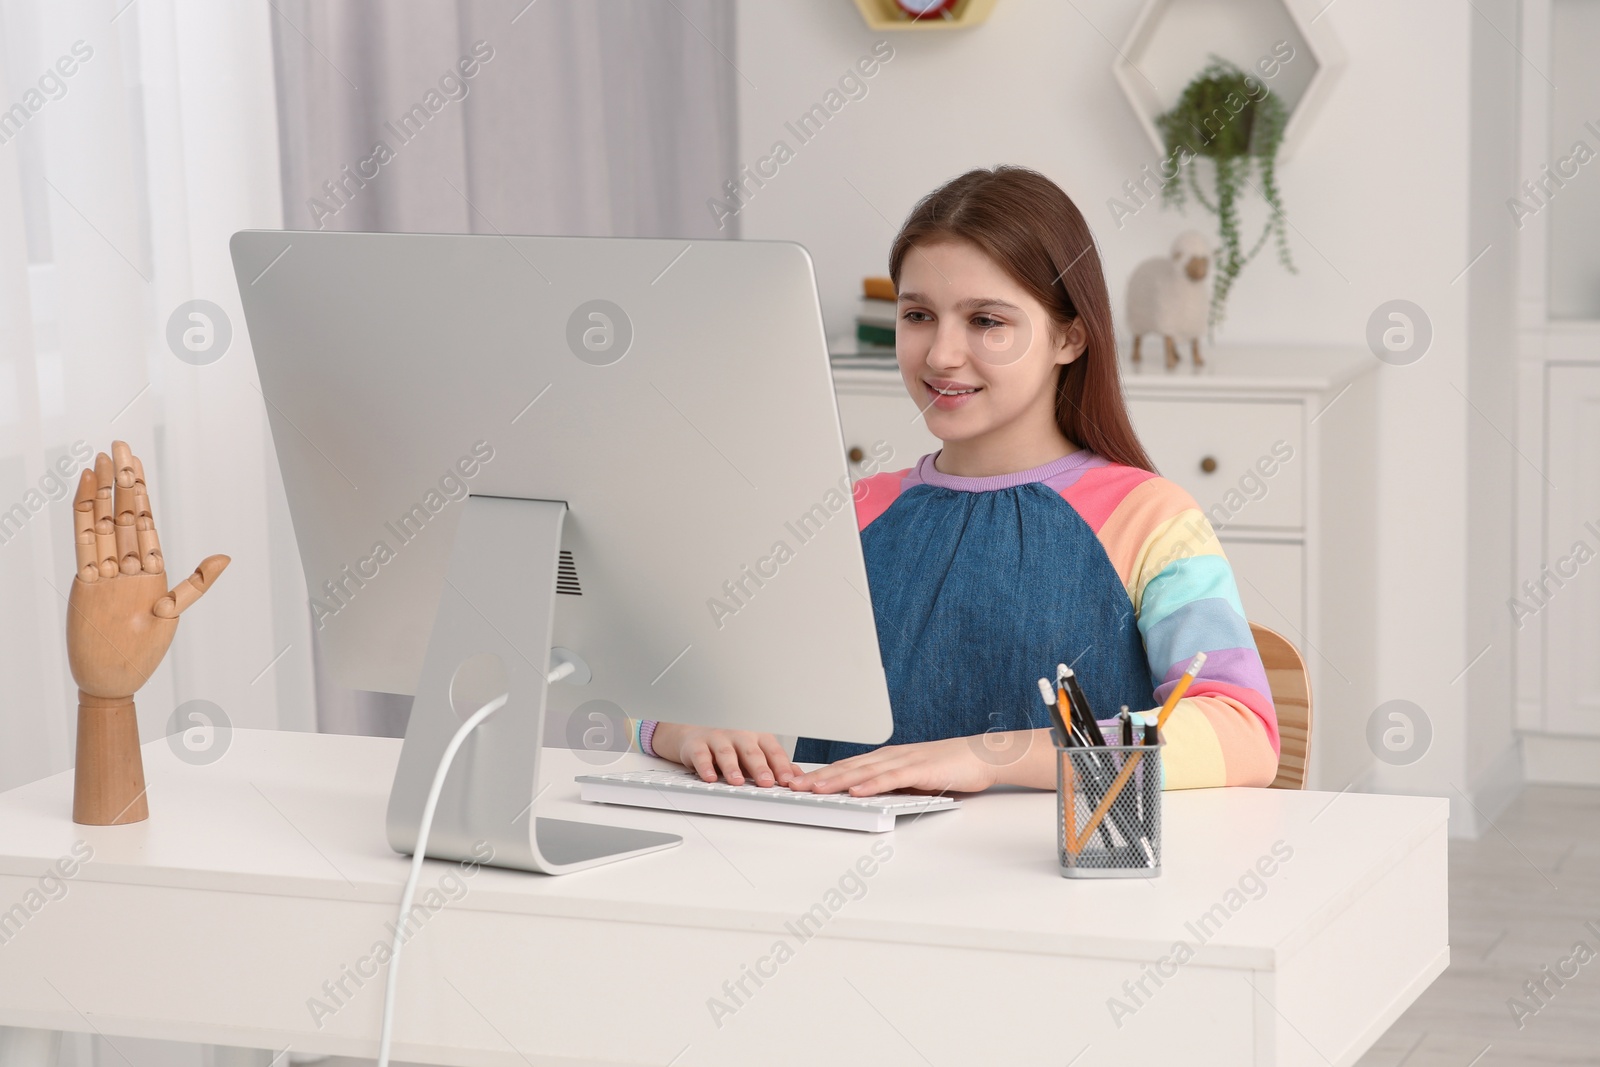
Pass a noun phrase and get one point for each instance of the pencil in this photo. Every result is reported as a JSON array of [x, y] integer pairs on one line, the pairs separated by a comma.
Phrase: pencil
[[1064, 738], [1106, 799], [1064, 712], [1058, 726], [1179, 689]]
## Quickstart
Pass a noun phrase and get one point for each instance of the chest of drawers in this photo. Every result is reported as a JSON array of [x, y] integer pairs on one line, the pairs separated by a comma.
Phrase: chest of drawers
[[1275, 445]]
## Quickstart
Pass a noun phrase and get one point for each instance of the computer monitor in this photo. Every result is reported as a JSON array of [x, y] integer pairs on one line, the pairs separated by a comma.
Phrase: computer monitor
[[625, 449]]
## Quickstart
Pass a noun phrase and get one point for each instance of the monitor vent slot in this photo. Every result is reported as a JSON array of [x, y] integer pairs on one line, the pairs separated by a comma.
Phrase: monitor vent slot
[[567, 575]]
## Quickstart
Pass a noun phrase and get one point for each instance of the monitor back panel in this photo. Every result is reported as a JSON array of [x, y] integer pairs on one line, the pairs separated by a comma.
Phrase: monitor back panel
[[676, 395]]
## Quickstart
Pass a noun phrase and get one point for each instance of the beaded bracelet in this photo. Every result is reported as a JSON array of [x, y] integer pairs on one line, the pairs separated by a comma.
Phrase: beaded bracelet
[[647, 730]]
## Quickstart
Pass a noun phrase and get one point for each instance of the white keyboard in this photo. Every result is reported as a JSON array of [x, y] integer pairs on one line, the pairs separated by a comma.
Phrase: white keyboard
[[683, 790]]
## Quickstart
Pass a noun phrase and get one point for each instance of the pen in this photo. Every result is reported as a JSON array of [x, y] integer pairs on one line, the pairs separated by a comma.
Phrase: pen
[[1082, 715], [1127, 726], [1148, 736]]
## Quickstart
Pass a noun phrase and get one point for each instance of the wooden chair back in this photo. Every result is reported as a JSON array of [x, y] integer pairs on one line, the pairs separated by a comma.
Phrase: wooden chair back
[[1290, 684]]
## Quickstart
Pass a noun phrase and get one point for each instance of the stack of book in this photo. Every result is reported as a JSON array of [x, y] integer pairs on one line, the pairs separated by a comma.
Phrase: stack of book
[[875, 315]]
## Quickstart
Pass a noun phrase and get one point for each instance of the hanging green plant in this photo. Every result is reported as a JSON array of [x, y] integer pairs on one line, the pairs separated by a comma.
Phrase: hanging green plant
[[1234, 120]]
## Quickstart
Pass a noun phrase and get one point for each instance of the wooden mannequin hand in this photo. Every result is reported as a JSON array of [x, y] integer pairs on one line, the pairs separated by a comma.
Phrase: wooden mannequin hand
[[121, 618]]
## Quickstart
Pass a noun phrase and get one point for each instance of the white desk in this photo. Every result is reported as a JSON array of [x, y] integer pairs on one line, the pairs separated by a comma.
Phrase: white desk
[[266, 874]]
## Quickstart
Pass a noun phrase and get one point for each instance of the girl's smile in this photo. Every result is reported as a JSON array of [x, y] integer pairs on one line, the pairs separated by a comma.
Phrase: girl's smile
[[946, 394]]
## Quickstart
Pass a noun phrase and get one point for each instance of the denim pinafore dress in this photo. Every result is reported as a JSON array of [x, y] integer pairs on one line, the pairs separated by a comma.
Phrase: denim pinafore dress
[[980, 586]]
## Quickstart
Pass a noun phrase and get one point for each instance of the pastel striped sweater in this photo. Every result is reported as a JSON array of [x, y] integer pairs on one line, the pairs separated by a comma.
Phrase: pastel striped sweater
[[1225, 730]]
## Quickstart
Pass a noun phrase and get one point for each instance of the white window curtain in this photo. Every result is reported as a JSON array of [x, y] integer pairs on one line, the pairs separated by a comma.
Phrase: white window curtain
[[136, 138], [138, 135], [615, 118], [576, 117], [182, 122]]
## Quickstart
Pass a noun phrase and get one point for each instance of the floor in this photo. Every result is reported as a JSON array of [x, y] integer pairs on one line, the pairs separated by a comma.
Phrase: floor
[[1520, 897]]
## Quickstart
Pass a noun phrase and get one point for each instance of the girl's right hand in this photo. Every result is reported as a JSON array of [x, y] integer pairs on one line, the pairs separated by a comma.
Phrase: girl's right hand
[[736, 753]]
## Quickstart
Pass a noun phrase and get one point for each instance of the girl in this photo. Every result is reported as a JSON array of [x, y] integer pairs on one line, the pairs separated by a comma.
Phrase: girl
[[1040, 533]]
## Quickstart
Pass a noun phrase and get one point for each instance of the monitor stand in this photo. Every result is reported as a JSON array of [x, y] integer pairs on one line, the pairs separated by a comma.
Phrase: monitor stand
[[495, 618]]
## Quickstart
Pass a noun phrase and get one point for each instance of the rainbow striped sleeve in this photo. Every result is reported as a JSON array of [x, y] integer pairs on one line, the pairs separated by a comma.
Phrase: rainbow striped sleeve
[[1225, 730], [874, 494]]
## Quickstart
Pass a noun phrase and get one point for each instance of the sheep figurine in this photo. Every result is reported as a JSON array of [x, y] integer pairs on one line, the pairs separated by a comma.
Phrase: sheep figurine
[[1170, 295]]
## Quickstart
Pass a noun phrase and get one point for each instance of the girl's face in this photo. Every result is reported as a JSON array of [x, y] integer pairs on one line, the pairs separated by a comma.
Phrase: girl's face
[[980, 356]]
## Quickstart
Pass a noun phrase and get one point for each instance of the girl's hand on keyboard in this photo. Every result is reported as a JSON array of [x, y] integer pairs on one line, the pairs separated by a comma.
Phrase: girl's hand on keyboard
[[738, 754], [952, 765]]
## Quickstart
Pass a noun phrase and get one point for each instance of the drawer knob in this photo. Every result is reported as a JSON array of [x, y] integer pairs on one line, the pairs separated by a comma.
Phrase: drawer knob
[[1209, 464], [856, 455]]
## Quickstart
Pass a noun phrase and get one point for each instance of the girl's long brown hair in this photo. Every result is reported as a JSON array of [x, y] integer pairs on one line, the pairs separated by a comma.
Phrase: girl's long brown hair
[[1025, 223]]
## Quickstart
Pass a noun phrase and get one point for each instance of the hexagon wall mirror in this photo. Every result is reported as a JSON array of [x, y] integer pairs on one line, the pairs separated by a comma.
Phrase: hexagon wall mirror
[[1171, 40]]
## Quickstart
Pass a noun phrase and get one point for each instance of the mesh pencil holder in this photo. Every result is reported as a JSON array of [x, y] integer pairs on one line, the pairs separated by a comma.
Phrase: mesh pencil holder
[[1119, 837]]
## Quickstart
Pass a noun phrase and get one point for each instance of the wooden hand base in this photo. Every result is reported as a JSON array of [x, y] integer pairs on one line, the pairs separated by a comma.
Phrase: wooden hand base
[[108, 782]]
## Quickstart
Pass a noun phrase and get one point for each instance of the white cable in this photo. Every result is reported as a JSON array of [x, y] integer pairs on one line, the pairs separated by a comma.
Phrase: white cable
[[562, 670], [417, 857]]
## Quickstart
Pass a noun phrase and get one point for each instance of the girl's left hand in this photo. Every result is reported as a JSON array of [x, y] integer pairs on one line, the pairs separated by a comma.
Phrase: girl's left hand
[[949, 766]]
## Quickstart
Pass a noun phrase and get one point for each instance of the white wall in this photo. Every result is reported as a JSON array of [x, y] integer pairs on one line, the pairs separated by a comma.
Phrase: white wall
[[1376, 194], [1493, 753], [1574, 278]]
